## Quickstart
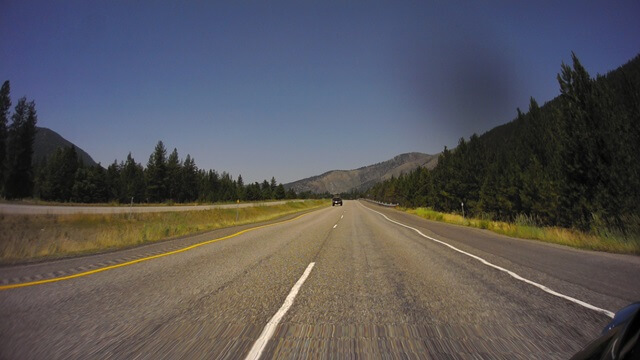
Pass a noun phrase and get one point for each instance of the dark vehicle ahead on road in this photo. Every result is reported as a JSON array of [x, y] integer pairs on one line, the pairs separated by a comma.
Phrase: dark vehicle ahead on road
[[336, 201]]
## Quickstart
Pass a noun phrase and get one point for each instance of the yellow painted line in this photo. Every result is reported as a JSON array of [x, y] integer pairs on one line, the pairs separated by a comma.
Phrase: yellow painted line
[[110, 267]]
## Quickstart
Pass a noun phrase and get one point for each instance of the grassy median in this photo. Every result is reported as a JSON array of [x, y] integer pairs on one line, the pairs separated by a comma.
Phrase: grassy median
[[32, 237], [524, 228]]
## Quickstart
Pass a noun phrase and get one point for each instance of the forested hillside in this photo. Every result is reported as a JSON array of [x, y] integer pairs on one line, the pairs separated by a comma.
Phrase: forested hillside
[[574, 162]]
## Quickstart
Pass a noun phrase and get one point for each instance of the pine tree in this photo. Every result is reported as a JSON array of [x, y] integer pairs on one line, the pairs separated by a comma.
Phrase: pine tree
[[58, 176], [89, 185], [280, 192], [227, 188], [112, 181], [156, 174], [189, 180], [5, 105], [241, 189], [69, 167], [132, 181], [580, 155], [174, 176], [211, 189], [445, 182], [425, 193], [21, 134], [97, 179], [273, 185], [265, 190], [253, 192]]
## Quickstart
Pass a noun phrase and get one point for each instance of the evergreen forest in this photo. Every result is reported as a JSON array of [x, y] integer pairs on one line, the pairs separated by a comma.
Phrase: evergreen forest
[[573, 162]]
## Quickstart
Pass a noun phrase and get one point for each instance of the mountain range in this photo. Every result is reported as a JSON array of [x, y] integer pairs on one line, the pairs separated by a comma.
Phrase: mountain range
[[341, 181]]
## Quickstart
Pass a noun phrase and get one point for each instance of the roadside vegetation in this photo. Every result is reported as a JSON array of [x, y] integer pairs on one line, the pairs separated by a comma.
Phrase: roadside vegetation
[[527, 228], [34, 237], [29, 201], [566, 172]]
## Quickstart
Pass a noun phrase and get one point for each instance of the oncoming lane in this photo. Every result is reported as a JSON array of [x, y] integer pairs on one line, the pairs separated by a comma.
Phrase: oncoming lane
[[213, 300]]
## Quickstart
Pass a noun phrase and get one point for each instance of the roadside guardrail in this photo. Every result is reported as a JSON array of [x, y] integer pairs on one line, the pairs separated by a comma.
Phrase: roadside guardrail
[[381, 203]]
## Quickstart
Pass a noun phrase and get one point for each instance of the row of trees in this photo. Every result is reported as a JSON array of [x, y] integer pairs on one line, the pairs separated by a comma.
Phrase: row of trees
[[63, 177], [16, 145], [574, 162]]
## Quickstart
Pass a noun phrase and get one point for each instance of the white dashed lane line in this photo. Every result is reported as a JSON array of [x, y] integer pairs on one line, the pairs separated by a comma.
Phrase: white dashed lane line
[[336, 225], [270, 328]]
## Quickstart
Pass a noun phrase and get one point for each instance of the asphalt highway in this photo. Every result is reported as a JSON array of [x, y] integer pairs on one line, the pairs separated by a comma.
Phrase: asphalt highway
[[357, 281]]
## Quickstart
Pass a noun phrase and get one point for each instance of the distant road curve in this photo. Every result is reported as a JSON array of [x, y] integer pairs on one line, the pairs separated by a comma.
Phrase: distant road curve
[[20, 209]]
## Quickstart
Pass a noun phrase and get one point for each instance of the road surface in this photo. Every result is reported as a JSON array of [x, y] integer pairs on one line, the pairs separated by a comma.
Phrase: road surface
[[340, 282], [21, 209]]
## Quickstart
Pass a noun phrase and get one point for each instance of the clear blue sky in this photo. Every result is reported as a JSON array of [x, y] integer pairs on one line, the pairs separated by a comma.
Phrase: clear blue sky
[[293, 89]]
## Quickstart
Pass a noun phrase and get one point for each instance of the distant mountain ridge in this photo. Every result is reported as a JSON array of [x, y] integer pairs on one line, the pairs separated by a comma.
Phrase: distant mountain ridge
[[47, 141], [339, 181]]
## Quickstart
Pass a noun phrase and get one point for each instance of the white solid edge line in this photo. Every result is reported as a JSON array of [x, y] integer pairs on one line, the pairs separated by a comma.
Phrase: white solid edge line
[[514, 275], [270, 328]]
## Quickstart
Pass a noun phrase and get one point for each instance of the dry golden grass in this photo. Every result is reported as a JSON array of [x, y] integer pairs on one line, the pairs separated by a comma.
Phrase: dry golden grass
[[608, 242], [30, 237]]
